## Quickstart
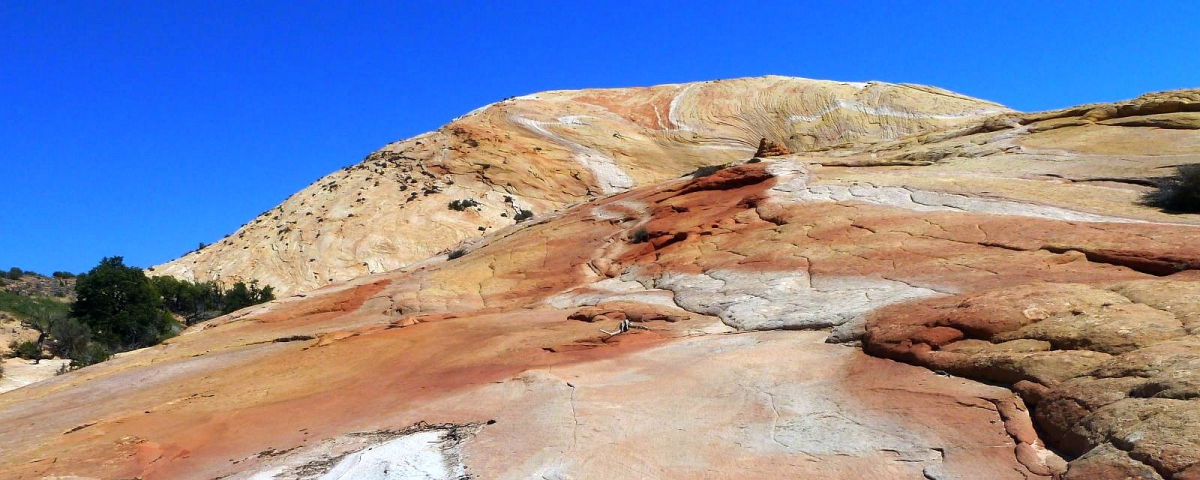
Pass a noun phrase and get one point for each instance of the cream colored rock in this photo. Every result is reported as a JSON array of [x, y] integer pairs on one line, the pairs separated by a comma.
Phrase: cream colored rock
[[19, 372], [1009, 249], [542, 152]]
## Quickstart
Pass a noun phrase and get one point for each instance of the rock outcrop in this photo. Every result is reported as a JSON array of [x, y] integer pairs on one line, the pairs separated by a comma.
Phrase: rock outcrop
[[767, 148], [32, 284], [542, 152], [1111, 370], [1019, 313]]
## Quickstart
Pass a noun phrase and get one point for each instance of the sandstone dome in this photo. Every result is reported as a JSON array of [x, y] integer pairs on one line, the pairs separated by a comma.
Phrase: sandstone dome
[[923, 285]]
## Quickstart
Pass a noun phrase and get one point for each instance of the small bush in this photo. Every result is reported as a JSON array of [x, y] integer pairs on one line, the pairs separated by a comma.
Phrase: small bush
[[1178, 193], [523, 215], [93, 354], [460, 205], [68, 337], [28, 350], [458, 252], [640, 235]]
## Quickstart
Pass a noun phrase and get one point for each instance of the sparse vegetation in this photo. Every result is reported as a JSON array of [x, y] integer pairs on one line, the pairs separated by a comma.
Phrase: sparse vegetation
[[118, 309], [38, 312], [523, 215], [29, 350], [27, 307], [640, 235], [197, 302], [1179, 193], [69, 338], [32, 284], [460, 205], [92, 353], [458, 252], [61, 335], [14, 273]]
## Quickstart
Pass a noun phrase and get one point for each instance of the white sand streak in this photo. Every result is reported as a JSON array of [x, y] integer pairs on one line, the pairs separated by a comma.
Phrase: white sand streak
[[794, 186], [416, 456], [609, 176]]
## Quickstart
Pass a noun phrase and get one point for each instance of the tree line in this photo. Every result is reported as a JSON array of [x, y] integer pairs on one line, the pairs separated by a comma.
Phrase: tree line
[[118, 308], [15, 273]]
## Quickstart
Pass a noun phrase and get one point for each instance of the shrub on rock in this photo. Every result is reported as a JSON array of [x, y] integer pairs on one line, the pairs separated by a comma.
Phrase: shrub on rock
[[640, 235], [28, 350], [1178, 193], [460, 205]]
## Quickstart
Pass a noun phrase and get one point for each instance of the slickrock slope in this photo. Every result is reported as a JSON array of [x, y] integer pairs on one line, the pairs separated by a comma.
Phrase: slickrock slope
[[984, 301], [1096, 158], [543, 152], [493, 364]]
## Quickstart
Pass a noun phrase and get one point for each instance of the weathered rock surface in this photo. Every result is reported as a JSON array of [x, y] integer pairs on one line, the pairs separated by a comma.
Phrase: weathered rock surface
[[767, 148], [1111, 367], [32, 284], [1055, 317], [19, 372], [545, 151]]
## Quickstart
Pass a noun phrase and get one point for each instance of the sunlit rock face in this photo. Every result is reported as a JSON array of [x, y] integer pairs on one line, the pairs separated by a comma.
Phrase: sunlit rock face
[[985, 298], [542, 152]]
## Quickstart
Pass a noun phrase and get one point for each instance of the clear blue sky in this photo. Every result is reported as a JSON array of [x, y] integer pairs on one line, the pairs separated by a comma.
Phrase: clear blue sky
[[143, 128]]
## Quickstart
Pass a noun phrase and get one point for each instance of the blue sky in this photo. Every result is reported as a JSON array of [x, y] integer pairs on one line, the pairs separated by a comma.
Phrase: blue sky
[[144, 128]]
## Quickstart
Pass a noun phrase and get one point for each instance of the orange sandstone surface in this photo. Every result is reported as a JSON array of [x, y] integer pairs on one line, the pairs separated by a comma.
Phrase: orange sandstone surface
[[543, 152], [984, 299], [705, 391]]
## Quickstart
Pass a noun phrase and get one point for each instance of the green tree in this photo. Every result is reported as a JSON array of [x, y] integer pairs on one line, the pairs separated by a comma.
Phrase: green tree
[[238, 297], [263, 295], [120, 306], [174, 293], [69, 338], [208, 299], [42, 320], [241, 296], [197, 302]]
